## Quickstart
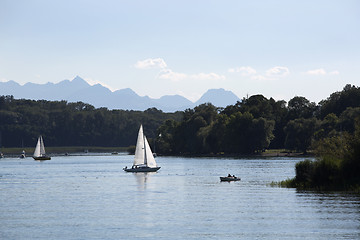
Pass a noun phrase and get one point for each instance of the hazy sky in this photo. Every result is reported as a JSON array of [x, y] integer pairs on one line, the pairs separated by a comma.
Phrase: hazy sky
[[280, 49]]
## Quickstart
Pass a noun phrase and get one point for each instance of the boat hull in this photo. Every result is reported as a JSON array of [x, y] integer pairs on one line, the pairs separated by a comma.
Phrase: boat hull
[[229, 179], [42, 158], [142, 169]]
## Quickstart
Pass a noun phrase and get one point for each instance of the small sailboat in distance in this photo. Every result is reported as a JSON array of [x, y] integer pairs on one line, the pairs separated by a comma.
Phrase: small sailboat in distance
[[39, 153], [144, 160]]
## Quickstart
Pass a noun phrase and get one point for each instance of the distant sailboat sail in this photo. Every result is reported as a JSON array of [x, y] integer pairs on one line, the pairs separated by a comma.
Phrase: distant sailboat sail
[[37, 148], [144, 160], [149, 158], [139, 158], [39, 153]]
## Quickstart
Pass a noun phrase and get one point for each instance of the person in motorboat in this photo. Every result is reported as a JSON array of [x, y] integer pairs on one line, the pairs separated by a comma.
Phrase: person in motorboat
[[229, 178]]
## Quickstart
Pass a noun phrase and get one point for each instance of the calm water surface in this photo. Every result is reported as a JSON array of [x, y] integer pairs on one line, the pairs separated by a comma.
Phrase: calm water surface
[[91, 197]]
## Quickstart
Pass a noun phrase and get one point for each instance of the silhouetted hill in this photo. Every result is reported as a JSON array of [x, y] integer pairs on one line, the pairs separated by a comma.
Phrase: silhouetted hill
[[99, 96], [218, 97]]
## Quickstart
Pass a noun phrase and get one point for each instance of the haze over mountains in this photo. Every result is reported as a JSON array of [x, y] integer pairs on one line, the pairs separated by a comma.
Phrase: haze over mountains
[[99, 96]]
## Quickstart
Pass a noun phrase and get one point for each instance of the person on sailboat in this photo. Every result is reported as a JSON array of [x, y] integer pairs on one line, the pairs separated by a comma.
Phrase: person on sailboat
[[22, 154]]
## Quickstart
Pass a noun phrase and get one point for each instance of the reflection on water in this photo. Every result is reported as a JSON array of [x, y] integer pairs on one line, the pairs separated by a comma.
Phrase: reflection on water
[[142, 178], [91, 197]]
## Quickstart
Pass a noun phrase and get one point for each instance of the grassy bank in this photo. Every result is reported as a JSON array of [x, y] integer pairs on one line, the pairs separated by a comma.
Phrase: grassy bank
[[284, 153], [336, 167]]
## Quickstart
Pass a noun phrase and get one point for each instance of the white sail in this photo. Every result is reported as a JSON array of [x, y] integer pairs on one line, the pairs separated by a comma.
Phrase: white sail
[[150, 160], [143, 153], [139, 158], [42, 147], [37, 149], [144, 160]]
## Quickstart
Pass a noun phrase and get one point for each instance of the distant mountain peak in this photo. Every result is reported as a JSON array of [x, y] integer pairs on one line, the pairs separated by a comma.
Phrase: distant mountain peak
[[12, 82], [78, 78], [98, 95], [79, 81], [218, 97], [217, 91], [127, 91]]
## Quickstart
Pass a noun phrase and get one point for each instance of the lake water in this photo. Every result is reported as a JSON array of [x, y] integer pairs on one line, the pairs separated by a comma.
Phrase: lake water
[[91, 197]]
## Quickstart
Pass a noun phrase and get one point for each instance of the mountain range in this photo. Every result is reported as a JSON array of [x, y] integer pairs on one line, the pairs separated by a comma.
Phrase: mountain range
[[99, 96]]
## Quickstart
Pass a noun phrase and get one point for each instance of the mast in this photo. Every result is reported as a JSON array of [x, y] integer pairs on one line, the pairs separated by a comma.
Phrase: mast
[[145, 158], [42, 148]]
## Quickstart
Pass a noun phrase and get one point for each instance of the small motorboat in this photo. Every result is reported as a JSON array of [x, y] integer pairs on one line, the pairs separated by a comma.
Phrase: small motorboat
[[141, 169], [229, 179]]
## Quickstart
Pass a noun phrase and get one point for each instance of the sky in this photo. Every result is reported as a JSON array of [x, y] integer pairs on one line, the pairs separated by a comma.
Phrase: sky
[[280, 48]]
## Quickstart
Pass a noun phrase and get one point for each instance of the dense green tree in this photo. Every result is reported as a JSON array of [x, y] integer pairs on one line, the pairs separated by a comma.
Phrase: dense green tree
[[166, 137], [337, 165], [215, 140], [190, 133], [300, 107], [279, 113], [299, 133], [351, 163], [347, 118], [237, 134], [328, 126], [258, 106], [339, 101], [231, 109], [245, 134]]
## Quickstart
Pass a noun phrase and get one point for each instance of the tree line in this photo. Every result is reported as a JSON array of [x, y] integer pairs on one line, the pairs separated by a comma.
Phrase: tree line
[[252, 125], [257, 123], [337, 165], [73, 124]]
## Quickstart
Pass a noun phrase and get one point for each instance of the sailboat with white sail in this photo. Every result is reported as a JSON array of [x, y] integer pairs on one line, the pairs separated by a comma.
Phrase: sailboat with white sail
[[144, 160], [39, 153]]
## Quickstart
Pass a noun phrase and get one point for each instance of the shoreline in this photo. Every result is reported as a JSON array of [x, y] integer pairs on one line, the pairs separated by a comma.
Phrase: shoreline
[[266, 154], [62, 150], [86, 150]]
